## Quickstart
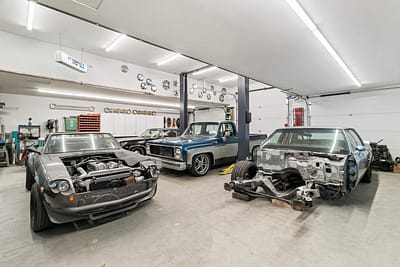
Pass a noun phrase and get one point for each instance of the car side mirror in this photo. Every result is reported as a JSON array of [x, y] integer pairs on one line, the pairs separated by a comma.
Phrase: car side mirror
[[361, 148]]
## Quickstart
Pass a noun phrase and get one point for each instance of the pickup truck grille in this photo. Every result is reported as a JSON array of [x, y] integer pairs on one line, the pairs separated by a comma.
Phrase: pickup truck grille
[[162, 151]]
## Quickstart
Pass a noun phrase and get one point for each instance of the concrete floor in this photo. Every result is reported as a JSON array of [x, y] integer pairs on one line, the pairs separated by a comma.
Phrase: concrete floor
[[194, 222]]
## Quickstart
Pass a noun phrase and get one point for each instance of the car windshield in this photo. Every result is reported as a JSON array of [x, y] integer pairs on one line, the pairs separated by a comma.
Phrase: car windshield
[[61, 143], [151, 133], [202, 129], [314, 140]]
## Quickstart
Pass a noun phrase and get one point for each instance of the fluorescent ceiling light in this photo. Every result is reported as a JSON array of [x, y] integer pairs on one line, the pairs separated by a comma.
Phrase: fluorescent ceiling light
[[168, 59], [107, 98], [313, 28], [205, 70], [31, 14], [227, 79], [117, 40]]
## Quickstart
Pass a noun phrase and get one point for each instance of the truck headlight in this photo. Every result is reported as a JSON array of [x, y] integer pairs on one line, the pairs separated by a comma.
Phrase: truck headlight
[[178, 153]]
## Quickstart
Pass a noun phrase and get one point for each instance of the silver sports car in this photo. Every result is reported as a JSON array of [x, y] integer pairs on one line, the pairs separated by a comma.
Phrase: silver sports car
[[85, 176]]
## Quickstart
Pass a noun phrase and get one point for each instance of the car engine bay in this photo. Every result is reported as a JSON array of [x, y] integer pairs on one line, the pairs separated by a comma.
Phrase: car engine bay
[[102, 171]]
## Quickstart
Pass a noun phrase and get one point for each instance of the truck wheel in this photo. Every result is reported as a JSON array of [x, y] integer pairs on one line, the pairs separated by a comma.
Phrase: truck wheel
[[367, 176], [137, 150], [39, 219], [201, 163], [244, 170], [28, 179]]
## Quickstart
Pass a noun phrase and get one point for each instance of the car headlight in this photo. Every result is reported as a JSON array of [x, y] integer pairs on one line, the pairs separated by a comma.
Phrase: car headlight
[[153, 171], [57, 186], [63, 186], [178, 153]]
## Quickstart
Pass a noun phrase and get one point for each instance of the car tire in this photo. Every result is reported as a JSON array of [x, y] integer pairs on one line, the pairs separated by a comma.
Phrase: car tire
[[367, 176], [38, 214], [137, 150], [29, 180], [244, 170], [201, 164]]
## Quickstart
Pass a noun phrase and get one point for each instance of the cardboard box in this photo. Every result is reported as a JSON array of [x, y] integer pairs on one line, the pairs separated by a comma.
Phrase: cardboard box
[[396, 167]]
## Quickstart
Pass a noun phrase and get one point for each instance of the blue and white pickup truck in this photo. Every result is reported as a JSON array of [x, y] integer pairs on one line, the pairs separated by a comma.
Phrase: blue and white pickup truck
[[202, 146]]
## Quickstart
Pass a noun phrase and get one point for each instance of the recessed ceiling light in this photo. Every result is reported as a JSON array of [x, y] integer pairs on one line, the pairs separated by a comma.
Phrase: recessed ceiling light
[[116, 40], [314, 29], [204, 70], [107, 99], [222, 80], [168, 59], [31, 14]]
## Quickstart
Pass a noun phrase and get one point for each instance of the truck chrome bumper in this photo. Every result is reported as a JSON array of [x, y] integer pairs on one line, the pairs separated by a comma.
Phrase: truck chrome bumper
[[170, 164]]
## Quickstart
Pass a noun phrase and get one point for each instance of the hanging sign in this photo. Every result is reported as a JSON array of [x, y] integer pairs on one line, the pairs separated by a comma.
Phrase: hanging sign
[[70, 61]]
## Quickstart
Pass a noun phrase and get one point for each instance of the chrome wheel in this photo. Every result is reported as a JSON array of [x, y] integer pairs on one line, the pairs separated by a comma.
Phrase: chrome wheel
[[201, 164]]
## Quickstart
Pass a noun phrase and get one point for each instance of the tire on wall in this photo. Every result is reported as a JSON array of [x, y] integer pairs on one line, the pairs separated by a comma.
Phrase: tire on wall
[[38, 214], [29, 180], [244, 170], [201, 164]]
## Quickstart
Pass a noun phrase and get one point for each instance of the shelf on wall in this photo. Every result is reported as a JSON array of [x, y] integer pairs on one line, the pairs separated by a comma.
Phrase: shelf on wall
[[89, 123]]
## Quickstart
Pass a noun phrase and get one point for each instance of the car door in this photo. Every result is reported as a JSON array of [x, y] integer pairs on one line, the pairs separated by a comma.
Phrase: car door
[[361, 157], [228, 147]]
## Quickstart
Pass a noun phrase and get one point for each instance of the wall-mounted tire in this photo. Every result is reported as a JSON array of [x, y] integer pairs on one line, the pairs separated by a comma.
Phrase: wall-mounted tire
[[201, 164], [38, 214], [244, 170]]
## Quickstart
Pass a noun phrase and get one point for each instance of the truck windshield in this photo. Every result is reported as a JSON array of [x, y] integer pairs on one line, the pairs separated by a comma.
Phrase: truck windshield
[[202, 129], [314, 140], [61, 143]]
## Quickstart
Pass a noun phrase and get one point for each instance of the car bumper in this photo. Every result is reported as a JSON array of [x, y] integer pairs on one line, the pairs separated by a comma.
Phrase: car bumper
[[99, 210], [170, 164]]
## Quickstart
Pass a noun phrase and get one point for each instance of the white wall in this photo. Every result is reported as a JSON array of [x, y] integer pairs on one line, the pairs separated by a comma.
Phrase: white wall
[[269, 111], [215, 114], [38, 108], [374, 115]]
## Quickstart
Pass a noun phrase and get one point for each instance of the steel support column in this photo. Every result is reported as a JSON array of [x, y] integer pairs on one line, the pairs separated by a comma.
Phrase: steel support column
[[244, 118], [183, 96]]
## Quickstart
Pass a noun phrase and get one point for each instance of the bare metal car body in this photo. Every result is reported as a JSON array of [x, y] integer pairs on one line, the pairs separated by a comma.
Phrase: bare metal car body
[[86, 176], [313, 162]]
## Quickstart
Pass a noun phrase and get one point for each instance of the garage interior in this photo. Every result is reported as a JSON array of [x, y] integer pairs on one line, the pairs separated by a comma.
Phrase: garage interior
[[124, 67]]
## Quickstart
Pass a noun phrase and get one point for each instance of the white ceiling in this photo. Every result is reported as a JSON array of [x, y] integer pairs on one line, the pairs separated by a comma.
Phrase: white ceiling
[[265, 39], [78, 34]]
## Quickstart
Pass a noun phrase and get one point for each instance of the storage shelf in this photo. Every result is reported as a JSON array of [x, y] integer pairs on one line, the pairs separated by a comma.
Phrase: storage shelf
[[89, 123]]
